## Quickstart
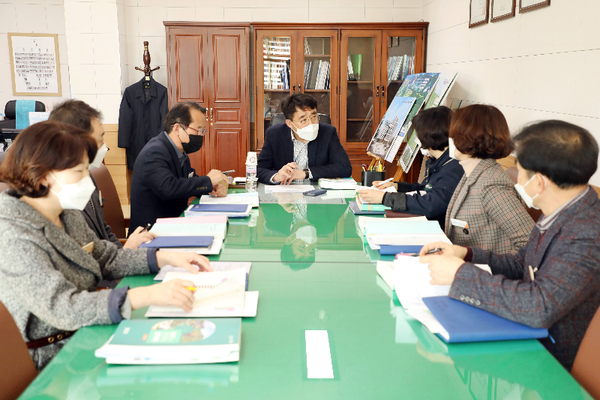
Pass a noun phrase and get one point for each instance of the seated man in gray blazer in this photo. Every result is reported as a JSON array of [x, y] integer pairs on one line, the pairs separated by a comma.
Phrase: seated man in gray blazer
[[302, 148], [83, 116], [554, 280]]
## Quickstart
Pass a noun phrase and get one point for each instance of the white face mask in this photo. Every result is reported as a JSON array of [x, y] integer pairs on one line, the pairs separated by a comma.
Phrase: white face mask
[[308, 133], [425, 152], [527, 198], [74, 196], [99, 157], [307, 234], [451, 148]]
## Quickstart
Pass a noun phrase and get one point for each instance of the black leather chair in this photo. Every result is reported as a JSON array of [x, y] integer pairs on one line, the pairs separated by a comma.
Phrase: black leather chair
[[280, 119], [10, 113]]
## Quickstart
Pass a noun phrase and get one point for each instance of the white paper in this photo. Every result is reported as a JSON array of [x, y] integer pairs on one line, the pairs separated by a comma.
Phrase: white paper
[[425, 317], [217, 266], [288, 188], [233, 198], [416, 239], [318, 355], [390, 189], [250, 309], [385, 269], [411, 283]]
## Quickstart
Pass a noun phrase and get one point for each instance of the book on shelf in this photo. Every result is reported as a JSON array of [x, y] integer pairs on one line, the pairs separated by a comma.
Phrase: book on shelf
[[174, 341]]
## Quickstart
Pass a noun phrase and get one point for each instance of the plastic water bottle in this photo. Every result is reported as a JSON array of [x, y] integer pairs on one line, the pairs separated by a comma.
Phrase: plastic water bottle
[[251, 179]]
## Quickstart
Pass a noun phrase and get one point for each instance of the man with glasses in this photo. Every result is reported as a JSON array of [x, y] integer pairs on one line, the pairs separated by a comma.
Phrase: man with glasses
[[302, 148], [163, 178]]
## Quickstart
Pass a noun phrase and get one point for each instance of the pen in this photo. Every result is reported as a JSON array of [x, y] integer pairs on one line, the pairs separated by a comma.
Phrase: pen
[[193, 289], [388, 180], [147, 227], [229, 172], [429, 252]]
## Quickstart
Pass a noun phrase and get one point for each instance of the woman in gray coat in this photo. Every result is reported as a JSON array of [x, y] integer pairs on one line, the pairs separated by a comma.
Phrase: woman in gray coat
[[51, 261]]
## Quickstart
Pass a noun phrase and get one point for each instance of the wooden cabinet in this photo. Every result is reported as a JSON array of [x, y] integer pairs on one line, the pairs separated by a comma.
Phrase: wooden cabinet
[[208, 64], [360, 85]]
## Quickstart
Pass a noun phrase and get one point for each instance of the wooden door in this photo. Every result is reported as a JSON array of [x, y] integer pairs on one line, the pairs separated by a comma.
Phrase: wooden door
[[227, 137], [187, 71], [317, 69], [274, 61]]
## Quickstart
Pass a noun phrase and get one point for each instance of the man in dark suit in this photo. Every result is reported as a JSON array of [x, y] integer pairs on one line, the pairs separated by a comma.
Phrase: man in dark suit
[[163, 178], [302, 148], [554, 280], [87, 118]]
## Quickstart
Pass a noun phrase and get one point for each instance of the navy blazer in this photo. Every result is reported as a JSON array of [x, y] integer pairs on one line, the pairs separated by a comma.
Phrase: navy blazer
[[160, 187], [326, 156], [441, 177]]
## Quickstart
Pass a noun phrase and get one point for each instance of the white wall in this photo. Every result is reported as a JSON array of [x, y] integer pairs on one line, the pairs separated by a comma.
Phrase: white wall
[[31, 16], [539, 65]]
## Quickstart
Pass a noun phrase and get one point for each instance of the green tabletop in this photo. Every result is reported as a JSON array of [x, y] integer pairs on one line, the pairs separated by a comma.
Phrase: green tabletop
[[377, 351]]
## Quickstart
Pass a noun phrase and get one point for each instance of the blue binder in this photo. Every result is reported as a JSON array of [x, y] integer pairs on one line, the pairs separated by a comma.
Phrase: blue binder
[[465, 323], [179, 241], [219, 207], [385, 250]]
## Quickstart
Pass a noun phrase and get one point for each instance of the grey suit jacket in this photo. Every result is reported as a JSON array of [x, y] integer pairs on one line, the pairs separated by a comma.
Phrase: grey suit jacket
[[565, 293], [488, 202], [47, 281]]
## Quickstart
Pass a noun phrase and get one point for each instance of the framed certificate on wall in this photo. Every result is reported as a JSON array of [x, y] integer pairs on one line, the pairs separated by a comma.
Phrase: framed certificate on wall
[[35, 66], [530, 5], [503, 9], [478, 12]]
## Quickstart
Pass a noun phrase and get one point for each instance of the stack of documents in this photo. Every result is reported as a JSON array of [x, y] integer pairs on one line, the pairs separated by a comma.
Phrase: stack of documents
[[215, 226], [217, 294], [402, 235], [338, 183], [174, 341], [229, 210], [364, 206], [233, 198]]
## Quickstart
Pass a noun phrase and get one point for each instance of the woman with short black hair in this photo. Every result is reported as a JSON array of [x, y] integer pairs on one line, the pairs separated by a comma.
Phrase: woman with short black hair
[[430, 197]]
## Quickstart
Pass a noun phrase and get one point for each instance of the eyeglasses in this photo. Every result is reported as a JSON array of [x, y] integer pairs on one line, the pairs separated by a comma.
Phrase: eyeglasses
[[200, 131], [313, 118]]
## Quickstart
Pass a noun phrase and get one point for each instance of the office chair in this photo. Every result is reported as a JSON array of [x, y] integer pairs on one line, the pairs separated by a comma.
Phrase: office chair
[[279, 118], [113, 213], [587, 362], [10, 114], [513, 173], [17, 369]]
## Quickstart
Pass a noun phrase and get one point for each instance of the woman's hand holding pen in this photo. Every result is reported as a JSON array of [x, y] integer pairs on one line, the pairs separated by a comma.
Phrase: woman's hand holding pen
[[137, 237], [444, 263], [384, 185], [171, 293]]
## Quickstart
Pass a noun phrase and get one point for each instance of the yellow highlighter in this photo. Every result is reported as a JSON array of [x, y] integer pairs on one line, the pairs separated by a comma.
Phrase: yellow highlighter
[[193, 289]]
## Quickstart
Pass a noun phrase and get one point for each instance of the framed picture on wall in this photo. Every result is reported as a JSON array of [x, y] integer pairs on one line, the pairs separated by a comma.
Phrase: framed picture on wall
[[35, 66], [530, 5], [503, 9], [478, 12]]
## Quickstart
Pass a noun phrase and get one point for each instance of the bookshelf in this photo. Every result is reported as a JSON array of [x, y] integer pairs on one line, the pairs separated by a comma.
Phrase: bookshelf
[[353, 70]]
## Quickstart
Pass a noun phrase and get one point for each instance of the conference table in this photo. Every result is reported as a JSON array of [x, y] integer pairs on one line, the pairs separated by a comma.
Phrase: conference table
[[377, 350]]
